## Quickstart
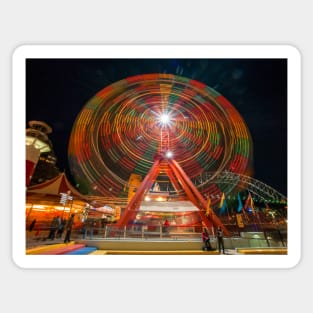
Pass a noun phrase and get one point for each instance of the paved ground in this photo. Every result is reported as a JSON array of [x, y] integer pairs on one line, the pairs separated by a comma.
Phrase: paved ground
[[34, 244]]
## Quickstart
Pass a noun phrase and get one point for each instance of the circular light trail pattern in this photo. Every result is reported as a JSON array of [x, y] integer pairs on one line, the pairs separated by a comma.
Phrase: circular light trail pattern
[[125, 125]]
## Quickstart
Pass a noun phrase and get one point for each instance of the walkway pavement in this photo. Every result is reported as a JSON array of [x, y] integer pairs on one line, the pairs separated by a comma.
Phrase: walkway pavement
[[41, 245]]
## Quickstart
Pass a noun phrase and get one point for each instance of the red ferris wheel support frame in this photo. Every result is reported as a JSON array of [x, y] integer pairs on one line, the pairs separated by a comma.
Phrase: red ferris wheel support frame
[[177, 177]]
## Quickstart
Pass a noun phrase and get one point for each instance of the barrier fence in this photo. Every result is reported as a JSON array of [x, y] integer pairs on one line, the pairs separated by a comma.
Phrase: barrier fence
[[268, 238]]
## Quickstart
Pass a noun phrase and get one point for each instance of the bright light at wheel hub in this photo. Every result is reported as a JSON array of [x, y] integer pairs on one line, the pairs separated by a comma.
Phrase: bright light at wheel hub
[[164, 119], [169, 154]]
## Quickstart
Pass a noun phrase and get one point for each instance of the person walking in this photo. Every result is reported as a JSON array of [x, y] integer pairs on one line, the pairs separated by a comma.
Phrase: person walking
[[206, 240], [61, 228], [69, 229], [220, 239], [54, 227]]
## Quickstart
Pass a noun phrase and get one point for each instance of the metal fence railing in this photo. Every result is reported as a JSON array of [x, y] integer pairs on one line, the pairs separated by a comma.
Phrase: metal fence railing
[[269, 238]]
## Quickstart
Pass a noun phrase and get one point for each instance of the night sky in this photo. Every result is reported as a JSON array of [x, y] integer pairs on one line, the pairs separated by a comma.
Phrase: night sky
[[57, 90]]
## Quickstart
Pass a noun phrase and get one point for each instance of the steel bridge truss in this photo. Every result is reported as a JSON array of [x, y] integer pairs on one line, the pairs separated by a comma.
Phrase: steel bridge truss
[[228, 181]]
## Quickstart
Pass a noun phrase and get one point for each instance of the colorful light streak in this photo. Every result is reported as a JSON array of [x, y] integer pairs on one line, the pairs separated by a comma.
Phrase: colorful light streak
[[118, 132]]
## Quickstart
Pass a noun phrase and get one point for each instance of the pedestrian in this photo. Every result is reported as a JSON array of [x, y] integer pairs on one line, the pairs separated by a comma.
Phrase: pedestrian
[[61, 228], [206, 240], [54, 227], [69, 229], [166, 226], [84, 230], [220, 239], [90, 226], [32, 225]]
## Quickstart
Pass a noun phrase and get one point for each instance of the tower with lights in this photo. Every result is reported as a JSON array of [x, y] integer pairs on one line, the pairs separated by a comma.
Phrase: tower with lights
[[40, 157]]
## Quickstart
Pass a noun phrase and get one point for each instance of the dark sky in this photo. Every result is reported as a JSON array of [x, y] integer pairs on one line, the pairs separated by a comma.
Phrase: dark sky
[[57, 90]]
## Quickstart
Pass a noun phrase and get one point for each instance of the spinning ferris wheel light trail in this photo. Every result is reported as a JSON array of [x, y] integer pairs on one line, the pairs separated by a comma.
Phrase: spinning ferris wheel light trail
[[122, 129]]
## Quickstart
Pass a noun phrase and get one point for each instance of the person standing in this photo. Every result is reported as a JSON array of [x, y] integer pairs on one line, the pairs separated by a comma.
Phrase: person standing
[[220, 239], [166, 226], [69, 229]]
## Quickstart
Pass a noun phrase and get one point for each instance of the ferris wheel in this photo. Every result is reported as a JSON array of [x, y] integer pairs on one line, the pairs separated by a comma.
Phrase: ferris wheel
[[124, 126]]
